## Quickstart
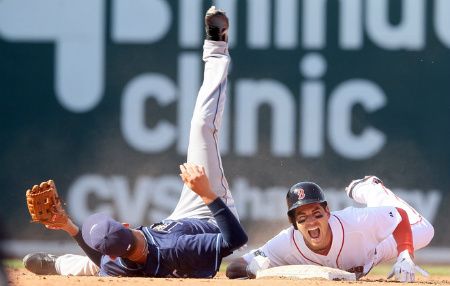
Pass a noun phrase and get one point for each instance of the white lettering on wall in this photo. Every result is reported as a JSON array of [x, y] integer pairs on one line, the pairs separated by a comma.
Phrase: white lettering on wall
[[351, 27], [251, 95], [312, 105], [140, 21], [150, 200], [80, 192], [442, 21], [314, 24], [189, 72], [77, 28], [409, 34], [286, 24], [341, 137], [165, 134], [135, 131], [190, 23], [79, 63], [259, 23]]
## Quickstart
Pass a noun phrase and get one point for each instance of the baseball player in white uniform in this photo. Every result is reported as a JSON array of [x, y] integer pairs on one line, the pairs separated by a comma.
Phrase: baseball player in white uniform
[[203, 147], [353, 239]]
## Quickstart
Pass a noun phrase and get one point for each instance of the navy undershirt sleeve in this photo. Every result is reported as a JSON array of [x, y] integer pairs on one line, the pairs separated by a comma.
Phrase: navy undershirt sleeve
[[93, 255], [233, 234]]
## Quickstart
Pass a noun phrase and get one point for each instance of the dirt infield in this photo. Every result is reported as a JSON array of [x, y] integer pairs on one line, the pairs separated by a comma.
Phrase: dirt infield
[[24, 278]]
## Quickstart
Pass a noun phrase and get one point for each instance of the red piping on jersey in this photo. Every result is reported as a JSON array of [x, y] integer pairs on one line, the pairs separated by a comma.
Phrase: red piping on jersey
[[343, 239], [340, 250]]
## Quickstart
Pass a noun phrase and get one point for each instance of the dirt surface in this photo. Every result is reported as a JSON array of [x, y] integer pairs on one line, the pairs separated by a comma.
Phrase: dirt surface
[[24, 278]]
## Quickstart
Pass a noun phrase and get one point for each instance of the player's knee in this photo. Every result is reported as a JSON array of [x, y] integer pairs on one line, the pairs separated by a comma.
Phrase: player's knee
[[423, 234], [429, 233]]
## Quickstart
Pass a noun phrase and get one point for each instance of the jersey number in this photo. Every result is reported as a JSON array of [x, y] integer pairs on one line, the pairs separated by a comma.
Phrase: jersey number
[[165, 227]]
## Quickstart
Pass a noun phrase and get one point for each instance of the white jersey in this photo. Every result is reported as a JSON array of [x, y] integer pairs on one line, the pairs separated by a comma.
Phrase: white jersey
[[353, 247], [362, 237]]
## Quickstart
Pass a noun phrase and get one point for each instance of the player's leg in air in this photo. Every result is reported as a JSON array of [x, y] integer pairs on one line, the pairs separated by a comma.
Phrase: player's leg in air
[[203, 149], [206, 121], [372, 192]]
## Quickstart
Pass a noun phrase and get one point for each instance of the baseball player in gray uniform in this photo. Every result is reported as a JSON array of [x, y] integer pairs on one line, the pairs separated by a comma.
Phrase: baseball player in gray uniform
[[203, 149]]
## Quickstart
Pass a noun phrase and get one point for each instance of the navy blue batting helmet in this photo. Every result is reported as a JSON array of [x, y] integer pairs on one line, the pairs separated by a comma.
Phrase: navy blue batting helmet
[[303, 193]]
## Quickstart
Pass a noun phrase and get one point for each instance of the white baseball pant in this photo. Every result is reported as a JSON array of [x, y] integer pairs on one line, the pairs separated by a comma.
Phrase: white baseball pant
[[374, 194]]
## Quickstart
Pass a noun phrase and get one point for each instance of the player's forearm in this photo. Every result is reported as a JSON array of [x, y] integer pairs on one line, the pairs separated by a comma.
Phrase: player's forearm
[[93, 255], [74, 231], [403, 234], [71, 228], [233, 234], [208, 196]]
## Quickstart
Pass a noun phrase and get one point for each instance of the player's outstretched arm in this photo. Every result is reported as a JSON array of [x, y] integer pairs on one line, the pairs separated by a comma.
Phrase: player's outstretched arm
[[233, 235], [240, 268], [45, 207], [404, 269]]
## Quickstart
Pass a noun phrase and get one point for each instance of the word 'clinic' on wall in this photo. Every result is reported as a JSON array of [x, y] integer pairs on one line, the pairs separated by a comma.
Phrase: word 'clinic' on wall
[[324, 114], [314, 110]]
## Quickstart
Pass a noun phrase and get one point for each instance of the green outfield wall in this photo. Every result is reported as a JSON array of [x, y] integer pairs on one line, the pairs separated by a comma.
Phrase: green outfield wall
[[98, 95]]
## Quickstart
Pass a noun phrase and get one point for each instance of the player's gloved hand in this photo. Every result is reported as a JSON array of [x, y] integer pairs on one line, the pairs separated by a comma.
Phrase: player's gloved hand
[[45, 206], [404, 269], [258, 262]]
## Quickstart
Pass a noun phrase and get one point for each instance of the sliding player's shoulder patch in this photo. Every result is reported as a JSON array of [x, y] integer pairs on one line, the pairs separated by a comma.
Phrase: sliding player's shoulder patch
[[306, 272]]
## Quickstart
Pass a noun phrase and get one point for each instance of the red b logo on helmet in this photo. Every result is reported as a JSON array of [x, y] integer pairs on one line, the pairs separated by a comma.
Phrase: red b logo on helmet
[[300, 193]]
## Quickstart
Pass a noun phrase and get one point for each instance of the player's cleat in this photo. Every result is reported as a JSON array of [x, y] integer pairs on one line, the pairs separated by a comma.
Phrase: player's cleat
[[354, 183], [40, 263], [216, 25]]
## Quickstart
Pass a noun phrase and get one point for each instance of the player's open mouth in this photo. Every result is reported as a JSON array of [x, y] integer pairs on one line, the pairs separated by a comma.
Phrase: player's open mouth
[[314, 233]]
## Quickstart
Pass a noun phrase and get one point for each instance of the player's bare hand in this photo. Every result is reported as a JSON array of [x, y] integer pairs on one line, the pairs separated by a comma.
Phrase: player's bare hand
[[194, 176]]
